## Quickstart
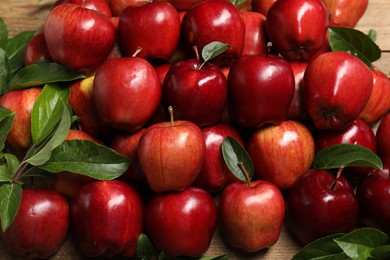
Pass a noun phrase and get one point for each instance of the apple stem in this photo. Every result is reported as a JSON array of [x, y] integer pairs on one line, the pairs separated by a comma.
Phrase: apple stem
[[170, 110], [83, 3], [269, 46], [138, 50], [197, 57], [334, 183], [243, 169]]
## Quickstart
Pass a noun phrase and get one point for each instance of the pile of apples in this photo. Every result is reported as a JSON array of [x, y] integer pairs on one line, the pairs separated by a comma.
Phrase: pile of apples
[[149, 93]]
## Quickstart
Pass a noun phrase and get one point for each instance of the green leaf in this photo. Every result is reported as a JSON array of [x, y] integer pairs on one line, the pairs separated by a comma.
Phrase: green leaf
[[372, 35], [335, 156], [145, 248], [59, 135], [48, 111], [16, 49], [237, 2], [381, 252], [12, 162], [3, 33], [5, 71], [87, 158], [359, 243], [323, 248], [355, 42], [212, 50], [234, 154], [42, 73], [6, 121], [10, 198]]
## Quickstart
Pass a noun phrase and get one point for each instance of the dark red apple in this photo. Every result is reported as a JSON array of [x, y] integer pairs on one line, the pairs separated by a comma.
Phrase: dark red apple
[[78, 37], [297, 28], [214, 20], [321, 204], [262, 6], [379, 102], [97, 5], [21, 102], [255, 33], [252, 214], [117, 6], [346, 12], [337, 87], [40, 226], [197, 93], [297, 109], [215, 175], [171, 154], [36, 50], [260, 90], [383, 139], [181, 223], [292, 141], [153, 27], [106, 219], [126, 92]]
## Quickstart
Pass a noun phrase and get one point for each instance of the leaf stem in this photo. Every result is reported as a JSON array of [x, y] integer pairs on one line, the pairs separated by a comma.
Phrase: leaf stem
[[242, 167]]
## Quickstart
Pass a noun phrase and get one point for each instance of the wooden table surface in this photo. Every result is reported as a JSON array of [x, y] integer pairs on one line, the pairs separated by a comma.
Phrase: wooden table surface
[[22, 15]]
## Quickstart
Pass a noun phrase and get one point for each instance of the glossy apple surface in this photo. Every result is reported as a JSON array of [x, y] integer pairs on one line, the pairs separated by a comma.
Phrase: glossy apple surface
[[291, 141], [171, 216], [97, 5], [297, 110], [252, 216], [337, 87], [106, 219], [383, 139], [118, 6], [260, 90], [36, 50], [40, 226], [346, 12], [255, 33]]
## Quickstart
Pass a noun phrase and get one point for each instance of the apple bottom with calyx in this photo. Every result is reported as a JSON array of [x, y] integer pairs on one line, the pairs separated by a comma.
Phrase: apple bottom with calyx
[[321, 204], [373, 195], [106, 219], [252, 214], [181, 223], [40, 226]]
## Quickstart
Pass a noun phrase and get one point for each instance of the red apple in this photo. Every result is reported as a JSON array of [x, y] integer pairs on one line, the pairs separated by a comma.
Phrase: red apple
[[68, 183], [106, 219], [154, 27], [40, 226], [215, 175], [383, 139], [262, 6], [126, 92], [379, 102], [36, 50], [214, 20], [297, 109], [78, 37], [21, 102], [97, 5], [255, 33], [171, 154], [321, 204], [291, 141], [297, 28], [337, 87], [260, 90], [117, 6], [373, 195], [346, 12], [197, 93], [181, 223], [252, 214]]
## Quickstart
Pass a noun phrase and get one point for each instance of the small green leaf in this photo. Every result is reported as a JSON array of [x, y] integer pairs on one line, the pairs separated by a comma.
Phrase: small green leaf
[[42, 73], [59, 135], [6, 121], [358, 243], [335, 156], [355, 42], [10, 198], [3, 33], [213, 49], [16, 49], [323, 248], [233, 154], [145, 249], [237, 2], [12, 162], [372, 35], [381, 252], [48, 111], [5, 71], [87, 158]]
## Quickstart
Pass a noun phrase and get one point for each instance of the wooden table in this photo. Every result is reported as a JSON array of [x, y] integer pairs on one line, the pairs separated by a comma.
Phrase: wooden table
[[22, 15]]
